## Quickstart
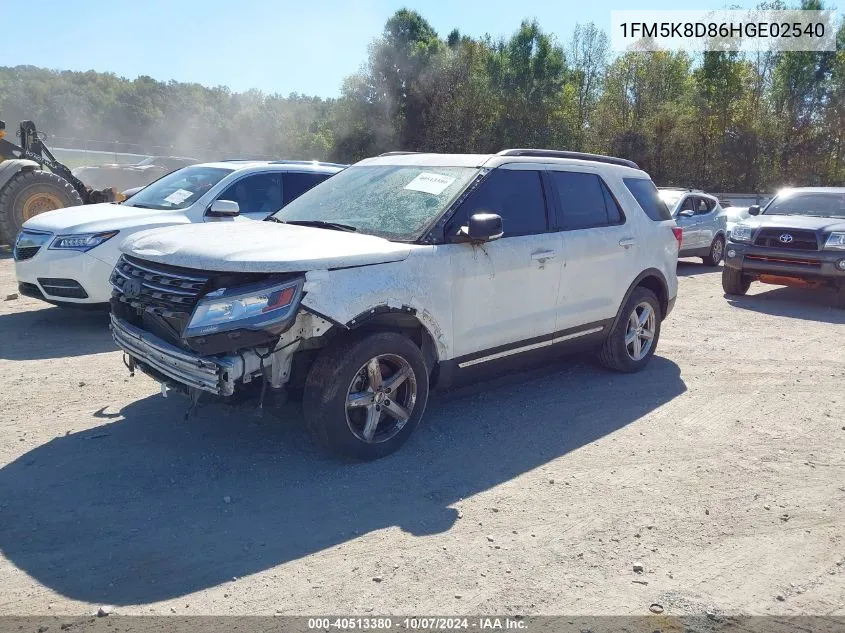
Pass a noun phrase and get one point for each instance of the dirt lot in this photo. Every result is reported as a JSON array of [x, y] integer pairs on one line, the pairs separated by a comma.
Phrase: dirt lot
[[720, 470]]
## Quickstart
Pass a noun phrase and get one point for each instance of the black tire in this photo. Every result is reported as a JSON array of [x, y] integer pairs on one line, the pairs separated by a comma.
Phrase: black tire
[[614, 353], [734, 282], [22, 187], [717, 252], [330, 380]]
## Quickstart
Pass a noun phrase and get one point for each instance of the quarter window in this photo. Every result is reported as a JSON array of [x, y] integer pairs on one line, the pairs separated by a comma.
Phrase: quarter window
[[515, 195], [648, 198], [584, 201]]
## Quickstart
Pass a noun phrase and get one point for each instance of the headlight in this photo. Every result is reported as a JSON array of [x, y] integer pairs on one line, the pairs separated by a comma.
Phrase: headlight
[[742, 233], [835, 241], [31, 239], [81, 241], [255, 307]]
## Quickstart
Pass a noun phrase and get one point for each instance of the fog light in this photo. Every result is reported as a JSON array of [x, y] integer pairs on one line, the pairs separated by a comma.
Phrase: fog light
[[841, 264], [732, 253]]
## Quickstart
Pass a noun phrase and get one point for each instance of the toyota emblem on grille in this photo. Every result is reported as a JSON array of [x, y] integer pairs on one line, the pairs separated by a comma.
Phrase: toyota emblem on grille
[[786, 238], [131, 288]]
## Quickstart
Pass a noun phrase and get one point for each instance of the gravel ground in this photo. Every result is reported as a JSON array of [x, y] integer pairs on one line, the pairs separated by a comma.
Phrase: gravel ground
[[720, 471]]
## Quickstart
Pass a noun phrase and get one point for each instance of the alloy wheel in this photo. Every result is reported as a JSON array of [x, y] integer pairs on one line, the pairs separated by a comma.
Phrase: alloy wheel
[[381, 398], [718, 250], [639, 335]]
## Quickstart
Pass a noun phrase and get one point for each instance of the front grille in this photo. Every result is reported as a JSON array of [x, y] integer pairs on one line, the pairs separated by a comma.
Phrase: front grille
[[157, 288], [801, 240], [25, 252], [791, 261], [67, 288]]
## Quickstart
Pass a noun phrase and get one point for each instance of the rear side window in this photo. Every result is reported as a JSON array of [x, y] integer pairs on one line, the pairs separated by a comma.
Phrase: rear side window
[[516, 195], [297, 183], [646, 195], [584, 200]]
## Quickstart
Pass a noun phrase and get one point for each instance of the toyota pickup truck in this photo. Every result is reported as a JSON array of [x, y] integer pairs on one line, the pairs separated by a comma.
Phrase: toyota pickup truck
[[798, 239]]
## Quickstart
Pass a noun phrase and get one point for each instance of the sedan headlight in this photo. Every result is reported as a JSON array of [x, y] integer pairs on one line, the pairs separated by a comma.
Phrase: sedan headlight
[[256, 307], [81, 241], [742, 233], [835, 241]]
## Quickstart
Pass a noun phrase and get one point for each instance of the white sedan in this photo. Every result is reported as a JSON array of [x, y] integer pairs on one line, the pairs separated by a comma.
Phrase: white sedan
[[65, 257]]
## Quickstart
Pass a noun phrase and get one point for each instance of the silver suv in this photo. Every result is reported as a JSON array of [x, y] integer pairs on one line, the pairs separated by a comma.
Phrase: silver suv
[[702, 221]]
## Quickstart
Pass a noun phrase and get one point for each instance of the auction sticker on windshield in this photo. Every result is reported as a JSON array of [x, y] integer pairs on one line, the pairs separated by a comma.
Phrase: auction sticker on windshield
[[179, 196], [428, 182]]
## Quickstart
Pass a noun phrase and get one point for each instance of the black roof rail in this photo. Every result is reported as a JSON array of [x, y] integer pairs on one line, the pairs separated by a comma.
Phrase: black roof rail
[[553, 153], [398, 153]]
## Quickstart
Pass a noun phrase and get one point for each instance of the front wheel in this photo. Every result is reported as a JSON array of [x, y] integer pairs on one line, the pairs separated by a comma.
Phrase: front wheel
[[734, 282], [717, 252], [632, 341], [364, 398]]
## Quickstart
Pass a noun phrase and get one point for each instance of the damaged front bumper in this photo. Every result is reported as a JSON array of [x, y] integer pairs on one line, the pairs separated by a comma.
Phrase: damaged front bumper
[[222, 374], [214, 374]]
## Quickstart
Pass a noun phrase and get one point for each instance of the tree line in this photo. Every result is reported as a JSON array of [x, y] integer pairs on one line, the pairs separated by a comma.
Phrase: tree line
[[724, 121]]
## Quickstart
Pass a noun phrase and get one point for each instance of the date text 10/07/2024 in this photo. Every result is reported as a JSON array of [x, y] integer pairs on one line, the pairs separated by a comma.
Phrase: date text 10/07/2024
[[418, 623]]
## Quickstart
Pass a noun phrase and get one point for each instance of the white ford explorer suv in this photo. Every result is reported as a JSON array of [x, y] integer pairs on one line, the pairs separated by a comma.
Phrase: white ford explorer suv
[[399, 273], [66, 256]]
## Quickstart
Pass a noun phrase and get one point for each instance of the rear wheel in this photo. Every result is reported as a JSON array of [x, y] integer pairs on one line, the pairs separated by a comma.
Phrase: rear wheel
[[632, 341], [364, 398], [734, 282], [717, 252], [29, 193]]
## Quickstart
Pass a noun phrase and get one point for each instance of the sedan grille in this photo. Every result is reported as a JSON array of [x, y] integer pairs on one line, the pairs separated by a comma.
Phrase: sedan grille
[[787, 238], [158, 288]]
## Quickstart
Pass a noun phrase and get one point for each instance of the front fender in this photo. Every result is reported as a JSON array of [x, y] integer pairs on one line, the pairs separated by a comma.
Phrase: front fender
[[418, 286]]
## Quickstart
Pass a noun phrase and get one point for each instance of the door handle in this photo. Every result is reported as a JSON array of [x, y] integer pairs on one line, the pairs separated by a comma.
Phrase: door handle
[[543, 256], [627, 242]]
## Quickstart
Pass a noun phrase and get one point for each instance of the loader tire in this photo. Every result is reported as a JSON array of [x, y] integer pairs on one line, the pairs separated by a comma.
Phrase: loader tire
[[29, 193]]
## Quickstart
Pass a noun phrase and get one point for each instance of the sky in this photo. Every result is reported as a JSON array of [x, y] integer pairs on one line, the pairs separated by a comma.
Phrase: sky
[[277, 46]]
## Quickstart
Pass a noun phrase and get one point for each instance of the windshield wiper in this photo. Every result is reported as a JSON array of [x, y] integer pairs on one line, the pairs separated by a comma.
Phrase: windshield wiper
[[320, 224], [142, 206]]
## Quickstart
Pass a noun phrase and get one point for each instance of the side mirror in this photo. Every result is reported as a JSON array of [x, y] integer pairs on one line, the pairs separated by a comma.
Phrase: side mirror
[[754, 209], [686, 213], [483, 227], [223, 209]]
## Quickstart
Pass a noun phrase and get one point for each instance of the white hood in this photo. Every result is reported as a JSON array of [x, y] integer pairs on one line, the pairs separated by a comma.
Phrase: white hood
[[266, 247], [94, 218]]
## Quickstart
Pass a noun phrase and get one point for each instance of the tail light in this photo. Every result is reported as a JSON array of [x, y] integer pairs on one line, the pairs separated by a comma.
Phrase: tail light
[[679, 235]]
